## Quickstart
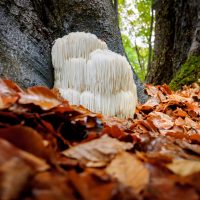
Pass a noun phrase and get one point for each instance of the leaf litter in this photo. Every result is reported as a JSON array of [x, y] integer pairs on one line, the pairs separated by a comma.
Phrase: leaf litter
[[50, 149]]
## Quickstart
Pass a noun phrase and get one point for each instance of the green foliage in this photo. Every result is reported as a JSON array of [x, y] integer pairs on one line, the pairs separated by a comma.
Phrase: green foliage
[[133, 57], [135, 25], [188, 74]]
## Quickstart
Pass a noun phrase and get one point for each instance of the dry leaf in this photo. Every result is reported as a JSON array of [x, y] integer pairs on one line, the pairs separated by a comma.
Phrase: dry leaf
[[8, 93], [129, 170], [39, 96], [151, 90], [152, 102], [8, 151], [165, 128], [180, 113], [52, 186], [191, 147], [161, 120], [26, 139], [184, 167], [165, 186], [98, 152], [14, 175]]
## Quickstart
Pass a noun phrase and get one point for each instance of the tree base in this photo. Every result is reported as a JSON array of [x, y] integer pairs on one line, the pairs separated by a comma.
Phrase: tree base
[[188, 74]]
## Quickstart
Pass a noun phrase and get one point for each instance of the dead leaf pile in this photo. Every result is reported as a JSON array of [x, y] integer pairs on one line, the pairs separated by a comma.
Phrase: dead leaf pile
[[51, 150]]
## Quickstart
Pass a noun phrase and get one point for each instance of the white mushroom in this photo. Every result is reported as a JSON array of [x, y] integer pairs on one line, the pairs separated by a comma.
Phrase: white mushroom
[[87, 73], [73, 96]]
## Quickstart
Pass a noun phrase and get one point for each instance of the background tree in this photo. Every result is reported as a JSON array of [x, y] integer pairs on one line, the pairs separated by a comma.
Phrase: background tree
[[177, 43], [136, 20], [29, 27]]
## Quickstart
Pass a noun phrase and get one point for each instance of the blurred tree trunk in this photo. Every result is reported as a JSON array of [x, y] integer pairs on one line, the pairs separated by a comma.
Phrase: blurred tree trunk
[[177, 33], [29, 27]]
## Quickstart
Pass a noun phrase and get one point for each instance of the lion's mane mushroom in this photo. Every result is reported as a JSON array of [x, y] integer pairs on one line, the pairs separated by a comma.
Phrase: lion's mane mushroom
[[87, 73]]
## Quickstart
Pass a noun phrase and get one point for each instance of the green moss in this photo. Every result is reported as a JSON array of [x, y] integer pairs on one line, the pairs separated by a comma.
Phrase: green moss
[[188, 74]]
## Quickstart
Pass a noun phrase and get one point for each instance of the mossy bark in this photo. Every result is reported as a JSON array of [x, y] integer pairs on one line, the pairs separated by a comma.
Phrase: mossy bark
[[188, 74], [177, 22]]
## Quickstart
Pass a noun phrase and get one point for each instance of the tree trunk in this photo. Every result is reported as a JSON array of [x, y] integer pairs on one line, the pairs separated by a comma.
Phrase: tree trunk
[[29, 27], [176, 23], [25, 44]]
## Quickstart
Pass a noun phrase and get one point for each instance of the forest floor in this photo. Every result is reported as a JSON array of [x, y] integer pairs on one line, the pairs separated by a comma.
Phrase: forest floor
[[50, 150]]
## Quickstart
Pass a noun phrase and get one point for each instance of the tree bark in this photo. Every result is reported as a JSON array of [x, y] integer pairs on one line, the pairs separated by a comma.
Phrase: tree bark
[[29, 27], [176, 22]]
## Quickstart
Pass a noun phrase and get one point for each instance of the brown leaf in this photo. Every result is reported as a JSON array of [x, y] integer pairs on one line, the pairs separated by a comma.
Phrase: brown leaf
[[114, 131], [98, 152], [151, 90], [165, 129], [84, 111], [8, 151], [164, 186], [14, 175], [91, 187], [26, 139], [193, 109], [189, 123], [167, 146], [40, 96], [184, 167], [180, 113], [122, 124], [52, 186], [129, 170], [179, 122], [9, 118], [191, 147], [165, 89], [150, 104], [176, 131], [8, 93], [99, 186], [161, 120]]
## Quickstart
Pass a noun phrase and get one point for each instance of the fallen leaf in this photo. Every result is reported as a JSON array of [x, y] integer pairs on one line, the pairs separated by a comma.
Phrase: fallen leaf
[[179, 122], [180, 113], [52, 186], [191, 147], [40, 96], [164, 129], [179, 99], [189, 123], [151, 90], [98, 152], [165, 89], [8, 93], [167, 146], [26, 139], [9, 118], [14, 175], [193, 109], [150, 104], [184, 167], [165, 186], [8, 151], [99, 186], [129, 170], [161, 120]]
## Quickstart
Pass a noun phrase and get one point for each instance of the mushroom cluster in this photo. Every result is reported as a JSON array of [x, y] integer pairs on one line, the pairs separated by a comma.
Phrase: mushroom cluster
[[89, 74]]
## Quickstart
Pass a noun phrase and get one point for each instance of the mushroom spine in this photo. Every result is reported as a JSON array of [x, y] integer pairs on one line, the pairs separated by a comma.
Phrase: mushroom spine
[[87, 73]]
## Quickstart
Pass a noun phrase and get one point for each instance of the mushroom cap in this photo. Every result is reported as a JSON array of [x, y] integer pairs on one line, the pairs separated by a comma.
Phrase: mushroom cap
[[75, 45]]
